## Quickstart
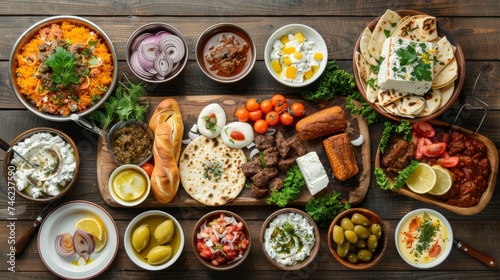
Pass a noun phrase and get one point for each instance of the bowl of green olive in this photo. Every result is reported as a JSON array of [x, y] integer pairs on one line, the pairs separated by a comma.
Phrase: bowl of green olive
[[357, 238]]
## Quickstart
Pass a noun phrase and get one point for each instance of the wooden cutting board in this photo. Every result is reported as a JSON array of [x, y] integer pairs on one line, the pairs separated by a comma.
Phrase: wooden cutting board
[[352, 190]]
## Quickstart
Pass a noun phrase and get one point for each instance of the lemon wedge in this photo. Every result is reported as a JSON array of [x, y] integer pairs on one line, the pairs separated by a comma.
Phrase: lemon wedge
[[422, 180], [444, 180], [129, 185], [100, 244], [93, 227]]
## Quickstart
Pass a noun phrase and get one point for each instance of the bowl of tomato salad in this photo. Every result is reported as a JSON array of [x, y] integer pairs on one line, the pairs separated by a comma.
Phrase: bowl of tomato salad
[[221, 240]]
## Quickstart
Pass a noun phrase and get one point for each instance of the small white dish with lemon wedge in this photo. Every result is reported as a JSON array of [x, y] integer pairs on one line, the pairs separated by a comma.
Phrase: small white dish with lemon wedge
[[68, 218], [129, 185]]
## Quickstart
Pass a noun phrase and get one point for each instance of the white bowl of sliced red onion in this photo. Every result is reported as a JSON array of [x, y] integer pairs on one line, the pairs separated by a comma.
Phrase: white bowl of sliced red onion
[[156, 52]]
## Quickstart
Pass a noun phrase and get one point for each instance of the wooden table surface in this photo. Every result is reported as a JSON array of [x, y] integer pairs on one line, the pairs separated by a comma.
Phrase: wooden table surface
[[475, 24]]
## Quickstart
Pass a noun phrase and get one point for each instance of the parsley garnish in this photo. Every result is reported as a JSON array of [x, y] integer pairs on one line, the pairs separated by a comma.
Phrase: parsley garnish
[[427, 232], [212, 169], [387, 33], [63, 65], [407, 56], [211, 122]]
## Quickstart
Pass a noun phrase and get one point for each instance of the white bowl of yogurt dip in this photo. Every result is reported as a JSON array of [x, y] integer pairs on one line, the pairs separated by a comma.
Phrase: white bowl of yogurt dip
[[290, 239], [424, 238], [53, 165]]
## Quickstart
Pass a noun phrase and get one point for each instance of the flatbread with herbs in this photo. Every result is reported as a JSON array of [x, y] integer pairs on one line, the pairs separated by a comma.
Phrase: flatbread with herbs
[[211, 171], [384, 28]]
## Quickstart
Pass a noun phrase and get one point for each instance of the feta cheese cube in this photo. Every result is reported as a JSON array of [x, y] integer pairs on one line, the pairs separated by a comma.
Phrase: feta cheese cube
[[407, 66], [313, 171]]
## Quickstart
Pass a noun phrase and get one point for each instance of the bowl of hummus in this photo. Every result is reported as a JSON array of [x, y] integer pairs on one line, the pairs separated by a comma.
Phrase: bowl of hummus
[[290, 239], [52, 167]]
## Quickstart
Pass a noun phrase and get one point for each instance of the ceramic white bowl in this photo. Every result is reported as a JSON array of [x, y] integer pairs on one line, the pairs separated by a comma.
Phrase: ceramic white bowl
[[446, 249], [116, 197], [136, 222], [311, 35]]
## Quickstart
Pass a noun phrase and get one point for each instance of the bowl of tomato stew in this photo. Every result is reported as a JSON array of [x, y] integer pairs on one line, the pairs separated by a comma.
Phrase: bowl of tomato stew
[[221, 240], [225, 52]]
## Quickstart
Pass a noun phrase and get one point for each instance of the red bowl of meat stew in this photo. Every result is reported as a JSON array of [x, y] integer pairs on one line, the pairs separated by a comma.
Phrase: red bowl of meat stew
[[225, 38], [474, 175]]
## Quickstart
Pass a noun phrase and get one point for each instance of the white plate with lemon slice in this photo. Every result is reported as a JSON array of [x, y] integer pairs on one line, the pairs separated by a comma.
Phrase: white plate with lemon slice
[[68, 218]]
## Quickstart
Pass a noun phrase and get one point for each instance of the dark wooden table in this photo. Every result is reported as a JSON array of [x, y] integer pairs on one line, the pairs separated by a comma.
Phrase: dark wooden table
[[475, 24]]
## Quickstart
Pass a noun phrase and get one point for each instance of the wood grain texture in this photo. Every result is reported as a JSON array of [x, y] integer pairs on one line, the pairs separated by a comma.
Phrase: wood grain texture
[[472, 23]]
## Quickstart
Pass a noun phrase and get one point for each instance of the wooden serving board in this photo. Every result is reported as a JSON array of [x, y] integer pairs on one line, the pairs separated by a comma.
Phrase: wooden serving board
[[491, 154], [352, 190]]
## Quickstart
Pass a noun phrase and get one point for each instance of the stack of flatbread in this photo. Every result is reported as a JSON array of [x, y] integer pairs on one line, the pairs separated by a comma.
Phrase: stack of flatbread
[[421, 28], [211, 171]]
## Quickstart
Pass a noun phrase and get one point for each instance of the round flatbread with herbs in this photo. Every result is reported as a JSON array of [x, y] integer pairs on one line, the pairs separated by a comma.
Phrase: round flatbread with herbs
[[211, 171]]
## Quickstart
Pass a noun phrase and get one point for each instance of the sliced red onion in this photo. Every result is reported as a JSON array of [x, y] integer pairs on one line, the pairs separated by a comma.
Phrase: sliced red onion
[[240, 256], [162, 33], [136, 66], [253, 153], [84, 244], [138, 40], [163, 64], [149, 51], [173, 46], [64, 245]]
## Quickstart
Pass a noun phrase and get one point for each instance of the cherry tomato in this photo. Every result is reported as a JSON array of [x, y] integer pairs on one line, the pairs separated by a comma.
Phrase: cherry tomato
[[424, 129], [242, 114], [278, 99], [252, 104], [415, 137], [266, 106], [260, 126], [297, 109], [448, 162], [280, 108], [272, 118], [286, 119], [148, 167], [255, 115], [434, 149]]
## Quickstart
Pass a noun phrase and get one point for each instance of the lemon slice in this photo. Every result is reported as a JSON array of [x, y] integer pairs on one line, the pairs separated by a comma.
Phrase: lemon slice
[[444, 180], [129, 185], [92, 226], [422, 180], [100, 244]]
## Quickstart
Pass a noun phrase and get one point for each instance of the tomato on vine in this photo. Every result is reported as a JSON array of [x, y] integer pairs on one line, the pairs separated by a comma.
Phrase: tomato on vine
[[286, 119], [242, 114], [297, 109], [278, 99], [272, 118], [266, 106], [255, 115], [260, 126]]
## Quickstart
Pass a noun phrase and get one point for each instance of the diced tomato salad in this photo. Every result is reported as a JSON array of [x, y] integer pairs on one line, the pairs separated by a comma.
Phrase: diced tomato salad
[[222, 240], [422, 133]]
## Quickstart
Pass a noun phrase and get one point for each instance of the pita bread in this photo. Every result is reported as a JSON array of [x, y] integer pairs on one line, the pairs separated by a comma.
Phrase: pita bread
[[393, 109], [447, 76], [363, 46], [422, 28], [197, 164], [411, 105], [387, 24], [432, 102], [388, 96], [446, 93], [445, 54], [371, 93], [363, 66]]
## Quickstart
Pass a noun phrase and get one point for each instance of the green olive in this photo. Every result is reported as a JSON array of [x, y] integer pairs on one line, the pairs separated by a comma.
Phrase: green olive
[[364, 255], [361, 244], [376, 230], [352, 257], [351, 236], [140, 237], [372, 242], [343, 249], [353, 248], [338, 235], [346, 224], [361, 231], [359, 219], [164, 232], [159, 254]]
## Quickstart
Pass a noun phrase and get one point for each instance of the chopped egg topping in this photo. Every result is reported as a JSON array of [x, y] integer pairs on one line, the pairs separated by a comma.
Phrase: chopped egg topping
[[294, 58]]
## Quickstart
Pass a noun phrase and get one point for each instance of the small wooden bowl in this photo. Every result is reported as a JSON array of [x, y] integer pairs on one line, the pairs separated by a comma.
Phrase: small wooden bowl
[[314, 250], [373, 218], [459, 56], [9, 168], [210, 217]]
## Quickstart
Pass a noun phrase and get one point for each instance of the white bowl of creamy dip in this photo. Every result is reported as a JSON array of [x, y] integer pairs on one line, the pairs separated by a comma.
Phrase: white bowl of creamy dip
[[424, 238], [290, 239], [53, 165]]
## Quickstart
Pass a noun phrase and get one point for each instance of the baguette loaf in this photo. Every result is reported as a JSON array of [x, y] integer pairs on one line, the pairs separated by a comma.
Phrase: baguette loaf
[[325, 122], [168, 128], [341, 156]]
